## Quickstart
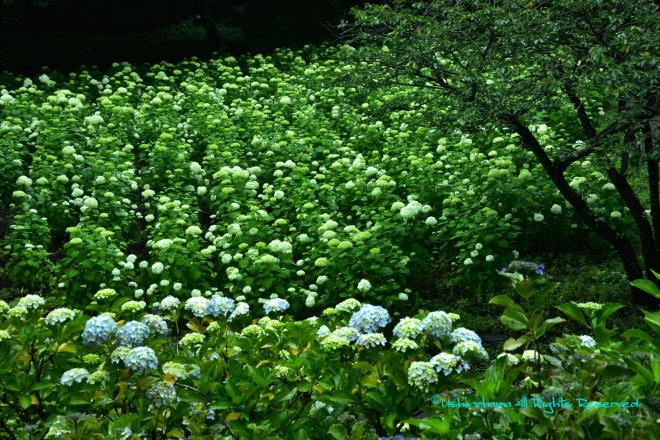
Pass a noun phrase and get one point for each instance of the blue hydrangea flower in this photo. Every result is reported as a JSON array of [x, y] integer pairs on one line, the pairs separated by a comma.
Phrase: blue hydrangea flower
[[436, 324], [141, 359], [276, 305], [446, 363], [98, 330], [74, 375], [462, 334], [323, 331], [219, 305], [369, 318], [349, 333], [161, 394], [132, 334], [587, 341], [156, 324], [241, 309]]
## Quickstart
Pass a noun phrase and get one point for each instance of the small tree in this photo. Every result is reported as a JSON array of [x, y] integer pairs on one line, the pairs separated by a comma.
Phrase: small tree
[[507, 61]]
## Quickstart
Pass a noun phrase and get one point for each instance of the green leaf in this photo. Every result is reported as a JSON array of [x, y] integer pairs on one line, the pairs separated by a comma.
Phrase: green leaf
[[512, 344], [514, 319], [647, 286], [653, 321], [338, 431], [573, 311]]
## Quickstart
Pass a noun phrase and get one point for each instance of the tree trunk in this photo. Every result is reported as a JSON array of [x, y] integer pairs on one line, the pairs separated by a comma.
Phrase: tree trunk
[[618, 241]]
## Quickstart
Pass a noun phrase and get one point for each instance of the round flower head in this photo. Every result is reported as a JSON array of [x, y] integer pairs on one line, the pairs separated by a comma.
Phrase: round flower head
[[157, 268], [334, 342], [219, 305], [161, 394], [346, 332], [587, 341], [470, 349], [371, 340], [156, 324], [197, 306], [348, 305], [404, 344], [276, 305], [252, 331], [241, 309], [4, 307], [133, 306], [364, 286], [181, 371], [4, 334], [97, 377], [119, 354], [462, 334], [132, 334], [369, 318], [31, 302], [192, 339], [323, 331], [59, 316], [105, 294], [141, 359], [421, 375], [74, 375], [445, 363], [169, 303], [436, 324], [98, 330], [408, 328]]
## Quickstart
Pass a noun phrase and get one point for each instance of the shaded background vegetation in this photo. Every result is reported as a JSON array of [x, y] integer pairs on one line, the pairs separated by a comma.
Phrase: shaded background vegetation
[[65, 34]]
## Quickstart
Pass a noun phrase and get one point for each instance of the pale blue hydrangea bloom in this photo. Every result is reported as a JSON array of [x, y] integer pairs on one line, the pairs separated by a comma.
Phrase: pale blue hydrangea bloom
[[169, 303], [404, 344], [99, 329], [587, 341], [436, 324], [31, 302], [59, 316], [141, 359], [74, 375], [161, 394], [421, 375], [197, 306], [408, 328], [371, 340], [369, 318], [156, 324], [349, 333], [219, 305], [462, 334], [470, 349], [446, 362], [132, 334], [323, 331], [277, 305], [242, 308]]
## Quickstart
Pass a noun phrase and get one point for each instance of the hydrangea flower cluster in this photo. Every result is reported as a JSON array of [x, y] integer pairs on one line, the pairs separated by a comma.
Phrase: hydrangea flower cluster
[[436, 324], [470, 349], [422, 375], [161, 394], [156, 324], [463, 335], [404, 344], [587, 341], [219, 305], [369, 319], [445, 363], [132, 334], [277, 305], [74, 375], [408, 328], [58, 316], [169, 303], [371, 340], [141, 359], [197, 306], [31, 302], [242, 309], [348, 305], [99, 329]]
